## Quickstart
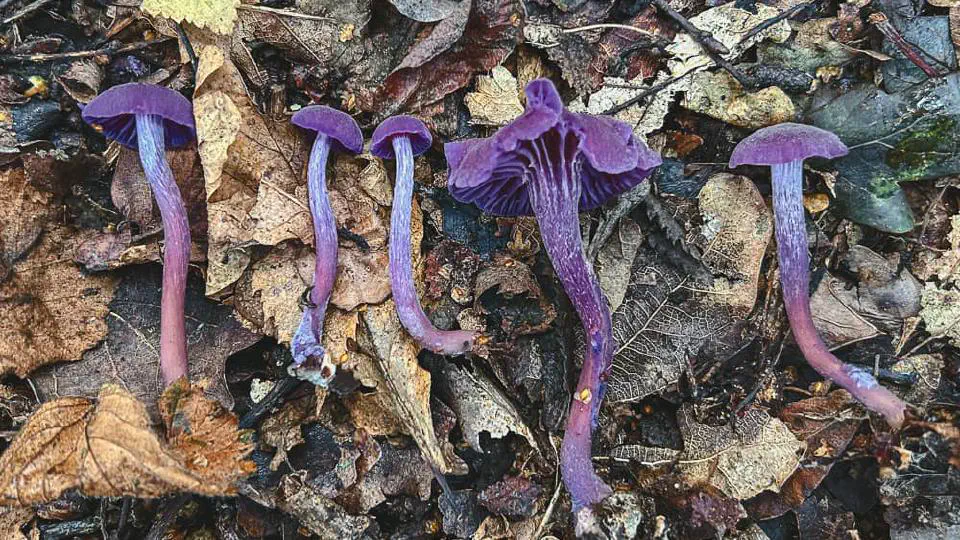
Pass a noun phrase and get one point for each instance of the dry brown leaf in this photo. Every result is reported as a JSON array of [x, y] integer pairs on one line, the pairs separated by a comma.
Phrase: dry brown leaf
[[12, 521], [129, 354], [482, 407], [407, 384], [320, 515], [615, 259], [945, 266], [758, 453], [258, 196], [282, 430], [838, 323], [268, 295], [205, 437], [496, 100], [23, 211], [82, 80], [41, 324], [104, 448], [217, 15]]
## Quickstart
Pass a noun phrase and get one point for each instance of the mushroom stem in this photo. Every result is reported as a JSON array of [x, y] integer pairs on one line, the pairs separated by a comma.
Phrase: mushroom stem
[[307, 342], [792, 252], [410, 311], [176, 253], [554, 195]]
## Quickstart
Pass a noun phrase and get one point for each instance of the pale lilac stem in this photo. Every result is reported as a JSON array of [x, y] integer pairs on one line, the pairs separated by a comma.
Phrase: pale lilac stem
[[307, 343], [176, 247], [792, 252], [554, 195], [450, 342]]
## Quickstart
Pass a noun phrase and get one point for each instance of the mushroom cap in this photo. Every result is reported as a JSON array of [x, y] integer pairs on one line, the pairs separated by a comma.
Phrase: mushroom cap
[[400, 126], [491, 172], [339, 126], [115, 112], [786, 142]]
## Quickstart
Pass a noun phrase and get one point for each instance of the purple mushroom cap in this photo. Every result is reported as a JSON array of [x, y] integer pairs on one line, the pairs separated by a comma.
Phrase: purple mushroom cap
[[339, 126], [400, 126], [115, 112], [490, 172], [787, 142]]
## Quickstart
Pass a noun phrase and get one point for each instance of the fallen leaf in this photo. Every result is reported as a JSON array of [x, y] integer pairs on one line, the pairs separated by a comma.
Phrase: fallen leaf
[[646, 116], [82, 80], [811, 48], [267, 297], [490, 36], [443, 35], [496, 100], [23, 211], [407, 384], [391, 471], [666, 318], [719, 95], [427, 10], [320, 515], [481, 407], [833, 305], [42, 324], [217, 15], [941, 312], [258, 196], [205, 437], [462, 513], [827, 425], [514, 496], [13, 520], [758, 453], [728, 24], [129, 354], [282, 430], [103, 448]]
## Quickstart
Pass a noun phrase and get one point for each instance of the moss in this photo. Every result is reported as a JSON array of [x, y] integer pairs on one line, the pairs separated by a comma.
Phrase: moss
[[922, 148]]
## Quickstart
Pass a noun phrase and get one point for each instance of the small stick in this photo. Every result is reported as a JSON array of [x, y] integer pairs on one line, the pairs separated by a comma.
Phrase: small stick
[[886, 28], [25, 11], [643, 95], [38, 58], [274, 398], [185, 41], [788, 14], [702, 37]]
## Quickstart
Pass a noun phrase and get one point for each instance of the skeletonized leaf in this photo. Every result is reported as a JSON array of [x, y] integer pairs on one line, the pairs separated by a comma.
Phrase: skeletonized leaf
[[666, 318], [496, 100], [426, 10]]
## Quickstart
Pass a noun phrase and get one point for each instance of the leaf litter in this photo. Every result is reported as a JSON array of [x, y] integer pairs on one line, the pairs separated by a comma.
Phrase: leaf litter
[[712, 414]]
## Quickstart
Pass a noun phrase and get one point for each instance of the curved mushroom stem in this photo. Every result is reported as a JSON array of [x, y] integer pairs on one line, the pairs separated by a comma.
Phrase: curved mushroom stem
[[176, 252], [792, 252], [306, 344], [410, 311], [554, 188]]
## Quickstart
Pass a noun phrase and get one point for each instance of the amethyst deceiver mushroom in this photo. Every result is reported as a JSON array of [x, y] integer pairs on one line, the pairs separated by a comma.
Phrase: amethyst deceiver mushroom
[[784, 147], [334, 130], [150, 119], [401, 138], [552, 163]]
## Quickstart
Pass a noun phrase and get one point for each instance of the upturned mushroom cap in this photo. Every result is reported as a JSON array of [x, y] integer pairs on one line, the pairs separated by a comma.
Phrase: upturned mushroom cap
[[400, 126], [786, 142], [491, 172], [114, 112], [339, 126]]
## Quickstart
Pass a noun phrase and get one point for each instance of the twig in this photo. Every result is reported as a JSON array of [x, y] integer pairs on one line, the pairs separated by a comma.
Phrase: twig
[[282, 12], [702, 37], [883, 24], [650, 91], [788, 14], [192, 54], [168, 516], [18, 58], [5, 3], [25, 11]]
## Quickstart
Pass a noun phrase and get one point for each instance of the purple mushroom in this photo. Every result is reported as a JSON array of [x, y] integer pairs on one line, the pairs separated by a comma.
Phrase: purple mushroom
[[784, 147], [336, 130], [552, 163], [150, 119], [402, 138]]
